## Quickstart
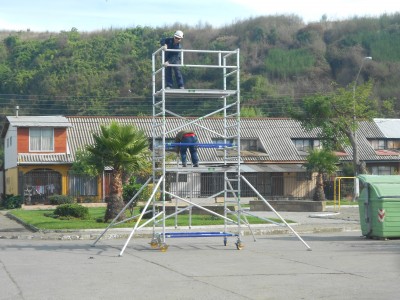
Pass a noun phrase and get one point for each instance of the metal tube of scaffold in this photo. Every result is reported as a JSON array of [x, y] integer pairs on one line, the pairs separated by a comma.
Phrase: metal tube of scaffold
[[141, 215], [269, 205]]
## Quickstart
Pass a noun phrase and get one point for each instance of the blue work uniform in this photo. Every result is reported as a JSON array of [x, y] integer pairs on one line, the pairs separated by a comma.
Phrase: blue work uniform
[[188, 137], [172, 58]]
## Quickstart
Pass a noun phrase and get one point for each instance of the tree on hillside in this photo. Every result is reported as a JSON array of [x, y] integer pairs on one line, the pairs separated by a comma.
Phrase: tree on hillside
[[323, 162], [251, 112], [124, 149], [336, 114]]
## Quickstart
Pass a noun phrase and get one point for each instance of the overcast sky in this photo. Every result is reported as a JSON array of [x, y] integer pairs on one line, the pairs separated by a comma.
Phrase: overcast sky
[[92, 15]]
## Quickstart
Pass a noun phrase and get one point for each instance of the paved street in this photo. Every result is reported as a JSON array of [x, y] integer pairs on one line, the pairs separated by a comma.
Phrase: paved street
[[341, 265]]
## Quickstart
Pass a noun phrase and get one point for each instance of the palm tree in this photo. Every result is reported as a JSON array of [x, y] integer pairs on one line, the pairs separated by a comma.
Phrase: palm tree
[[124, 149], [324, 162]]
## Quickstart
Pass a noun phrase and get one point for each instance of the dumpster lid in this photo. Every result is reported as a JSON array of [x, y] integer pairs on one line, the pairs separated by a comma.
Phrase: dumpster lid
[[380, 178], [385, 186]]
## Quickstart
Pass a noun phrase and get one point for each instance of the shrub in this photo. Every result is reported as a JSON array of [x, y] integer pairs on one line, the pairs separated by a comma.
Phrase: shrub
[[87, 199], [130, 189], [146, 193], [149, 213], [11, 201], [60, 199], [72, 210]]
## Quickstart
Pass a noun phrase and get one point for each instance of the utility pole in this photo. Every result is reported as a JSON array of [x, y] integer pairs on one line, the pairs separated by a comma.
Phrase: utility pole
[[356, 161]]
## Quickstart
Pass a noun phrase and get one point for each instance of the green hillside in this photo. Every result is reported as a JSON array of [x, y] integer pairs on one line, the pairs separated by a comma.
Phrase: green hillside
[[283, 60]]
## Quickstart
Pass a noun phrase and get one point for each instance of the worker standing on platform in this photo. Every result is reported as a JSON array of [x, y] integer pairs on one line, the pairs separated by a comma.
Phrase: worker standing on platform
[[173, 57], [189, 137]]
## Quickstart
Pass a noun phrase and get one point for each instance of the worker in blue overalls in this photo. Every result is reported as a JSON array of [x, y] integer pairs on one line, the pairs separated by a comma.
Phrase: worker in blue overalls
[[187, 136], [173, 57]]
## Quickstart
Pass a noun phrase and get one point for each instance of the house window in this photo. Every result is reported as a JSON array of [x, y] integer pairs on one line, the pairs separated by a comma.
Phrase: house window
[[250, 145], [317, 144], [222, 141], [302, 145], [82, 185], [393, 144], [307, 145], [383, 170], [41, 139], [378, 144]]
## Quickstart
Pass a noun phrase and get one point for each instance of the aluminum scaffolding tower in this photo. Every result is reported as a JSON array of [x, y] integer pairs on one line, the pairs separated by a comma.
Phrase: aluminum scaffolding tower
[[229, 105], [227, 97]]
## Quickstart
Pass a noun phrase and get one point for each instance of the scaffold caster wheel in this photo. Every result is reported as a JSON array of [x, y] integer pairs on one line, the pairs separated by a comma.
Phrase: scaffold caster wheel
[[163, 247], [239, 245], [225, 241], [154, 243]]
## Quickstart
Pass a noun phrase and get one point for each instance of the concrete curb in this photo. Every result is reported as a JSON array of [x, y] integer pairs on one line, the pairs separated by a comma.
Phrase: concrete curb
[[257, 230], [19, 221], [307, 223]]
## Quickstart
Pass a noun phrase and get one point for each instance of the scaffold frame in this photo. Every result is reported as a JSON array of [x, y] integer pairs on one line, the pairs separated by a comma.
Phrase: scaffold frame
[[229, 95]]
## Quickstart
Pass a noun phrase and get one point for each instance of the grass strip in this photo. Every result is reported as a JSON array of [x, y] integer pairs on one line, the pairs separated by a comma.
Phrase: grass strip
[[44, 220]]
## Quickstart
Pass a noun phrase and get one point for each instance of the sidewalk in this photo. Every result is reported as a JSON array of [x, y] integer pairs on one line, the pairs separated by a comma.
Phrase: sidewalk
[[345, 219]]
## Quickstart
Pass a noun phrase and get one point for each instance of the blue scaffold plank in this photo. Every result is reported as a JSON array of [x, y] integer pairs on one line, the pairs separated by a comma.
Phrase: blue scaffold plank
[[197, 234], [200, 145]]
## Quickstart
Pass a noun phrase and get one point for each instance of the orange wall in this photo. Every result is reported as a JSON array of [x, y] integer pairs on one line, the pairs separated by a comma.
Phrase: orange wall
[[60, 140]]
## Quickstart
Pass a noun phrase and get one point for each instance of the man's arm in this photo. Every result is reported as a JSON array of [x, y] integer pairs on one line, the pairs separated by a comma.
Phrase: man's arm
[[162, 41]]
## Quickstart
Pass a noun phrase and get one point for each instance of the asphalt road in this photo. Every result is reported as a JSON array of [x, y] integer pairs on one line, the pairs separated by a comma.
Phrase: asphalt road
[[274, 264], [340, 266]]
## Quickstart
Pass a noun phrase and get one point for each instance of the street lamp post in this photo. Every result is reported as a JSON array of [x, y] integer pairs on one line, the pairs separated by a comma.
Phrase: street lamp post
[[355, 84], [355, 150]]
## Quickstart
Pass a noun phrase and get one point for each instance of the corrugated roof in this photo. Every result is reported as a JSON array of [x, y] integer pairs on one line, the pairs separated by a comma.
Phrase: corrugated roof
[[369, 131], [274, 136], [273, 168], [39, 121], [389, 127], [53, 158], [34, 121]]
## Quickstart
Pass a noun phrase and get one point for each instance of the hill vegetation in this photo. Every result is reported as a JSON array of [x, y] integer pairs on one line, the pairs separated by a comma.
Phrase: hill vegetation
[[283, 60]]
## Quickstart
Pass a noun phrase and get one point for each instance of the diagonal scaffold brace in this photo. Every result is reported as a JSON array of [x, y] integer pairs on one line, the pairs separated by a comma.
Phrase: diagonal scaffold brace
[[272, 209]]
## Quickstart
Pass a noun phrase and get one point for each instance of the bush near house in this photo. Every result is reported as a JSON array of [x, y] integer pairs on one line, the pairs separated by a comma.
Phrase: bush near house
[[11, 201], [72, 210], [60, 199], [88, 199]]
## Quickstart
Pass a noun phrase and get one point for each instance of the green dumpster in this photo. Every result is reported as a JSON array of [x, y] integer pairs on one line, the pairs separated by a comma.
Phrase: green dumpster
[[379, 205]]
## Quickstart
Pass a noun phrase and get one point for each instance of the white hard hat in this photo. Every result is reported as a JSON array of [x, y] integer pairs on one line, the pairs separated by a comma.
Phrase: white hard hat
[[178, 34]]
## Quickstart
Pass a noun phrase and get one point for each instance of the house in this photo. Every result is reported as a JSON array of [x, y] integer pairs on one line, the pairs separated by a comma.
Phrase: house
[[40, 150], [36, 149], [385, 143]]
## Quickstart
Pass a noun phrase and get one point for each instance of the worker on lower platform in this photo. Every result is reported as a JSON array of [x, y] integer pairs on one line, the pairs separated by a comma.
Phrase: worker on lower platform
[[187, 136]]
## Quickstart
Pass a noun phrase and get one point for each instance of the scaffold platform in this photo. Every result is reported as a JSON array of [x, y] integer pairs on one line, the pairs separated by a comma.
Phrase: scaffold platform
[[201, 169], [195, 93]]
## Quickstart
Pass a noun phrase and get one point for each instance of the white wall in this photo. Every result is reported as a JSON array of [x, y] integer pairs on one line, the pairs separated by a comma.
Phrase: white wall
[[10, 148]]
